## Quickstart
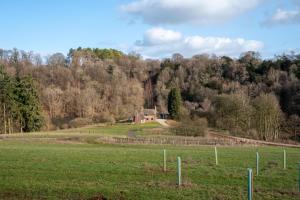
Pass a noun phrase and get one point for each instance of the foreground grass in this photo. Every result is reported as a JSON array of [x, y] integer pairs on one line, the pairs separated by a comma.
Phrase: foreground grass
[[34, 170]]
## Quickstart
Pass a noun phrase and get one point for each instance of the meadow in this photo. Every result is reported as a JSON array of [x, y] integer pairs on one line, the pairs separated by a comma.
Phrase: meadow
[[49, 166]]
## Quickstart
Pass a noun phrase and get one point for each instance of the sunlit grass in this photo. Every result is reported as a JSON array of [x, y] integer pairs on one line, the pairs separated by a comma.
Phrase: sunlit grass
[[34, 169]]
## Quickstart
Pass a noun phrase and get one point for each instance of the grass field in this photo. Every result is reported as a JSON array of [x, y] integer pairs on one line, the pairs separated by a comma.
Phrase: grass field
[[38, 169]]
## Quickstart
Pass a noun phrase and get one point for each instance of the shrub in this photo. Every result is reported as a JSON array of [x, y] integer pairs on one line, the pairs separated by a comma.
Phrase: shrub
[[80, 122], [104, 117], [64, 126], [232, 112], [292, 127], [189, 127]]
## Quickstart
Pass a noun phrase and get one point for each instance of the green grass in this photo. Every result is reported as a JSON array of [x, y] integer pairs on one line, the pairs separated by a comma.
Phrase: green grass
[[91, 133], [34, 169], [121, 129]]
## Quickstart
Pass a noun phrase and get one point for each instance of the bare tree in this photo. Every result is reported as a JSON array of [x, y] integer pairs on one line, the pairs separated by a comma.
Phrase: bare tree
[[267, 116]]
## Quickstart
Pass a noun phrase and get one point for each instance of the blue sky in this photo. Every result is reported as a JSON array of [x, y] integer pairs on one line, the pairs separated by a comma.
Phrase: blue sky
[[153, 28]]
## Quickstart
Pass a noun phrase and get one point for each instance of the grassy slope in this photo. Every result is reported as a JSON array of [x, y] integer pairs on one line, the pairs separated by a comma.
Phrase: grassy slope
[[32, 169], [93, 131]]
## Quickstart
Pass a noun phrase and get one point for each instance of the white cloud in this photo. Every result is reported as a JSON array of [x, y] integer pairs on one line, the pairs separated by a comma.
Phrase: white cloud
[[187, 11], [156, 36], [192, 45], [282, 16]]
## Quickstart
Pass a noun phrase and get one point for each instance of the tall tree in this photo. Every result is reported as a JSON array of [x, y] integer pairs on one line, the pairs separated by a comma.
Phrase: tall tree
[[174, 103], [28, 101], [6, 101], [232, 111], [149, 99], [267, 116]]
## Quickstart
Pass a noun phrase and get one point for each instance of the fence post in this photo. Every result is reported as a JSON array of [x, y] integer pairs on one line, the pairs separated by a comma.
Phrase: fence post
[[284, 159], [216, 155], [165, 161], [178, 171], [250, 184], [257, 163], [299, 178]]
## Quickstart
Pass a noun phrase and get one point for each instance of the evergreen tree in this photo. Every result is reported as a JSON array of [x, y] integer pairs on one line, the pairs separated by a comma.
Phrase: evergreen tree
[[174, 103], [29, 105], [297, 71], [8, 106], [19, 104]]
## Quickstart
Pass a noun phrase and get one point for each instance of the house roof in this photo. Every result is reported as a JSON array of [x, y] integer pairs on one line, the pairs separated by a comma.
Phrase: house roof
[[149, 112], [164, 113]]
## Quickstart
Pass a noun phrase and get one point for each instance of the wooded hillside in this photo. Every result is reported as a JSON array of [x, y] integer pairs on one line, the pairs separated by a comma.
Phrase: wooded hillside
[[247, 95]]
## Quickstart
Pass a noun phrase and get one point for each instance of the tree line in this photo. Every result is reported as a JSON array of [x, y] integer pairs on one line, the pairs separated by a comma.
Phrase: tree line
[[20, 107], [106, 85]]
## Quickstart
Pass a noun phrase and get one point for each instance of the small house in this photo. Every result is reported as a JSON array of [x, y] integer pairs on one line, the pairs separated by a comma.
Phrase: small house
[[145, 115]]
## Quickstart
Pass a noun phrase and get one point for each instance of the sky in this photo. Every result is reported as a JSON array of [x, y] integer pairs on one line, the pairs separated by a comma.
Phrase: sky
[[152, 28]]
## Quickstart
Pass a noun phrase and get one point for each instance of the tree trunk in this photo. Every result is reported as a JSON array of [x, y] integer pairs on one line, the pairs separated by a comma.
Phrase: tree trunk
[[9, 129], [12, 126], [21, 129], [4, 118]]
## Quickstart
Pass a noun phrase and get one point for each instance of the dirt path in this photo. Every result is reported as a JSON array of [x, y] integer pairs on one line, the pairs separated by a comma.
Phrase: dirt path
[[163, 122]]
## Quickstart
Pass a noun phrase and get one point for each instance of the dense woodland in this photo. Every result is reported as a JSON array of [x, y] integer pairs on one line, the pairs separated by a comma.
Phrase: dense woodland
[[249, 96]]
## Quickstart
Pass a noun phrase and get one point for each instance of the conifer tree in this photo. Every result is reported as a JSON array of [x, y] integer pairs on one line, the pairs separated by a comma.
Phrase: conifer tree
[[174, 103], [29, 105], [8, 106]]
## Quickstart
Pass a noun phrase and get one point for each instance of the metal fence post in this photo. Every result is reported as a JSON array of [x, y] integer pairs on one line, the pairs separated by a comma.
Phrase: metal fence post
[[250, 184], [257, 163], [178, 171], [299, 178], [165, 161], [216, 155], [284, 159]]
